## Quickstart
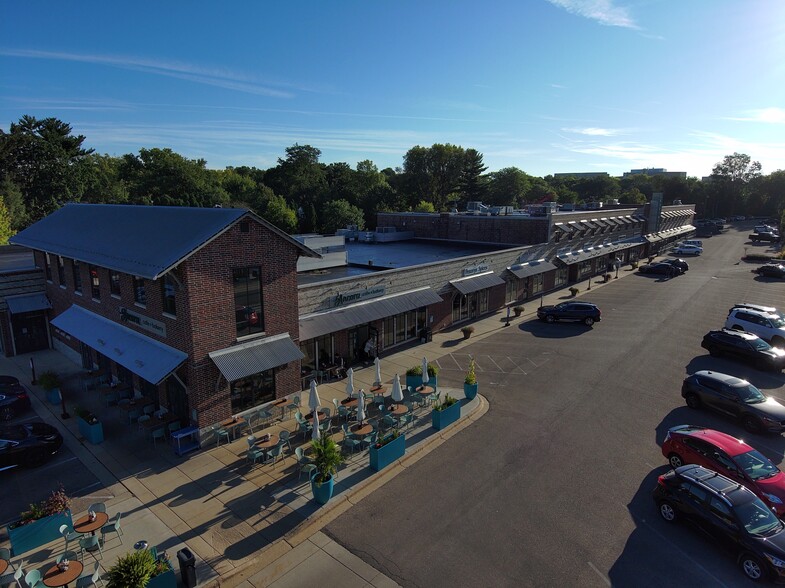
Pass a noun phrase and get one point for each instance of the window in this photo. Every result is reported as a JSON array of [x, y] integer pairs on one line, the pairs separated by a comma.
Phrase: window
[[511, 290], [483, 296], [536, 283], [696, 493], [403, 327], [48, 267], [561, 276], [719, 509], [249, 317], [585, 267], [77, 276], [169, 292], [61, 271], [114, 283], [252, 391], [95, 282], [140, 295]]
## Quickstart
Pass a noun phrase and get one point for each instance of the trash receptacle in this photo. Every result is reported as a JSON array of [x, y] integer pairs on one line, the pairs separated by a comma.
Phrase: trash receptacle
[[426, 335], [187, 567]]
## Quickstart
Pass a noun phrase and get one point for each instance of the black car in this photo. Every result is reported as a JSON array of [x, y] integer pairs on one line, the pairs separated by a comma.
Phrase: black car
[[13, 398], [735, 397], [745, 346], [660, 267], [771, 270], [727, 512], [28, 444], [679, 263], [584, 312]]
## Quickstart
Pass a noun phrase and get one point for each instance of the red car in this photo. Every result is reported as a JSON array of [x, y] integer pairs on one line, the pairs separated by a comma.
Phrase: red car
[[731, 457]]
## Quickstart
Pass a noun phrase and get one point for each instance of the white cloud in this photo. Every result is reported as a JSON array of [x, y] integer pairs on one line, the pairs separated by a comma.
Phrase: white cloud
[[595, 131], [602, 11], [771, 115]]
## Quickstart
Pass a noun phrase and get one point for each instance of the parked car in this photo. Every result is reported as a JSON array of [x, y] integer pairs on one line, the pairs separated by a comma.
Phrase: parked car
[[13, 400], [746, 347], [660, 267], [679, 263], [685, 249], [584, 312], [768, 236], [764, 229], [767, 326], [729, 513], [734, 397], [695, 242], [771, 270], [27, 444], [759, 308], [729, 456]]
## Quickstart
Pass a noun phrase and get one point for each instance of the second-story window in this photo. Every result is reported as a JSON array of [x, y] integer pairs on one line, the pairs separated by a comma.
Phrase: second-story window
[[77, 271], [95, 283], [48, 267], [140, 295], [114, 283], [248, 300], [61, 271], [169, 291]]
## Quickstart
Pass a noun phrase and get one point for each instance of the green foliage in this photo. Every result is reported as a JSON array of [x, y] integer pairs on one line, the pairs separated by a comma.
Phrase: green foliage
[[471, 376], [508, 187], [57, 502], [326, 457], [338, 214], [280, 214], [433, 173], [133, 570], [423, 206], [467, 331], [389, 438], [472, 185], [574, 291], [6, 232], [49, 380], [518, 309], [433, 370], [439, 404], [85, 415]]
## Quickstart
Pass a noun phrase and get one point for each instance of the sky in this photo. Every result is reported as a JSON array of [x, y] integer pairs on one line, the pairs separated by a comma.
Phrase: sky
[[547, 86]]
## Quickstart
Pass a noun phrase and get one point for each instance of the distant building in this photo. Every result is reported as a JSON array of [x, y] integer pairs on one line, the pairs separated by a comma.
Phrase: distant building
[[654, 171], [582, 175]]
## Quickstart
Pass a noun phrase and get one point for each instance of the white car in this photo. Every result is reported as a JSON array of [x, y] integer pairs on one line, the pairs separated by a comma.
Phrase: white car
[[759, 308], [685, 249], [763, 324]]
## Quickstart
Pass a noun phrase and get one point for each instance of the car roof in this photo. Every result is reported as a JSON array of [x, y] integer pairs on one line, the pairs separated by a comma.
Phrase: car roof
[[725, 378], [732, 492], [736, 333], [728, 443], [756, 312], [758, 307]]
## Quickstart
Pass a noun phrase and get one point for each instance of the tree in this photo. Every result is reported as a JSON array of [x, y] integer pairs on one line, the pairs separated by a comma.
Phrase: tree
[[732, 178], [432, 173], [338, 214], [508, 187], [14, 203], [424, 206], [299, 177], [632, 196], [471, 184], [5, 224], [280, 214]]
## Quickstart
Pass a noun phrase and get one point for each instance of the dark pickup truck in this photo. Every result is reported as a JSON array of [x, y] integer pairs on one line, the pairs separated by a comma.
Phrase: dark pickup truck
[[754, 237]]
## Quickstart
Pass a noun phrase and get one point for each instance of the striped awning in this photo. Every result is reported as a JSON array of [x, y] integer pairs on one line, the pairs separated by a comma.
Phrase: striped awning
[[27, 302], [476, 283], [254, 357]]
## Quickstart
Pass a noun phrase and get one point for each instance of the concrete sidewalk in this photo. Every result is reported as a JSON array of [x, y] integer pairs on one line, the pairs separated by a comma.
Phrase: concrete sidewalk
[[247, 525]]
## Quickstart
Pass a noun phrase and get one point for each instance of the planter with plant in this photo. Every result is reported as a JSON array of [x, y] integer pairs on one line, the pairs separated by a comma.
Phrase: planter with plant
[[414, 376], [470, 385], [518, 310], [326, 457], [89, 426], [387, 449], [142, 569], [607, 277], [574, 291], [41, 524], [445, 412], [634, 264], [50, 382], [467, 331]]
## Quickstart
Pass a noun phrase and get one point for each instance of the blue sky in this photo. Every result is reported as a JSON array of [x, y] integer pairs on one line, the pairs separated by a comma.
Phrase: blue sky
[[543, 85]]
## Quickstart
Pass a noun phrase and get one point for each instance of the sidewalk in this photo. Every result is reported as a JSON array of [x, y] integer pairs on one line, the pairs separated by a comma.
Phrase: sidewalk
[[247, 525]]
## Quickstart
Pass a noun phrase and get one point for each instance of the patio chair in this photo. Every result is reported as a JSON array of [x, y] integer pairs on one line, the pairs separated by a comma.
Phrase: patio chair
[[172, 427], [408, 418], [69, 555], [133, 414], [15, 578], [275, 453], [254, 454], [97, 507], [343, 413], [325, 425], [111, 398], [123, 402], [283, 438], [90, 579], [251, 420], [33, 579], [369, 440], [349, 442], [251, 440], [149, 409], [156, 434], [69, 535], [265, 416], [5, 554], [142, 420], [378, 399], [220, 433], [113, 526], [294, 405], [327, 412], [89, 543], [124, 394], [336, 404]]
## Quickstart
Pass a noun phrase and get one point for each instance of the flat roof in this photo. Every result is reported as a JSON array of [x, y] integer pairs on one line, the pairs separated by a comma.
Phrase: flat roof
[[16, 260]]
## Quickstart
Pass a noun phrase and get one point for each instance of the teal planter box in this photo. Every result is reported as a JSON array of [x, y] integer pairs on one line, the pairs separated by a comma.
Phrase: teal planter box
[[38, 533], [385, 455], [53, 396], [470, 390], [441, 419], [165, 580], [93, 433], [416, 381], [323, 493]]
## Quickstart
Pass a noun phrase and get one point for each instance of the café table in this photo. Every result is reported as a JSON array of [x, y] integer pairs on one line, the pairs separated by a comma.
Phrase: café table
[[381, 390], [281, 403], [85, 525], [361, 430], [3, 566], [398, 409], [54, 578], [349, 402], [156, 422], [268, 443], [309, 416], [232, 424]]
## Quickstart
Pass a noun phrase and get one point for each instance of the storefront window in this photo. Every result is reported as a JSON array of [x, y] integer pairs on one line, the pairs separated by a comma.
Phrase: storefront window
[[584, 269], [48, 267], [77, 272], [61, 271], [308, 363], [124, 375], [400, 327], [95, 283], [252, 391], [460, 306], [483, 296], [511, 290], [536, 283], [561, 276], [140, 294], [389, 331], [249, 317], [403, 327], [411, 324], [169, 291], [324, 350], [114, 283]]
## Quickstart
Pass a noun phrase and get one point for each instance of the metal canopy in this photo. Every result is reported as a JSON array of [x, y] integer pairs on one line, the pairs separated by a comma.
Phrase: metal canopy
[[254, 357], [524, 270], [322, 323], [27, 303], [476, 283], [147, 358]]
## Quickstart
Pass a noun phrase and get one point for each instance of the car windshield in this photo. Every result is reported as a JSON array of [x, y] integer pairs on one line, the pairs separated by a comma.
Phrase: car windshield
[[756, 465], [757, 518], [12, 433], [759, 344], [750, 394], [777, 322]]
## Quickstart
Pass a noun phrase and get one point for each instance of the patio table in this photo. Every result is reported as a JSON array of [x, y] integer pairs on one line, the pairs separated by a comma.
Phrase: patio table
[[269, 443], [349, 402], [361, 431], [3, 566], [137, 403], [232, 424], [398, 409], [158, 422], [282, 403], [85, 525], [54, 577], [309, 416]]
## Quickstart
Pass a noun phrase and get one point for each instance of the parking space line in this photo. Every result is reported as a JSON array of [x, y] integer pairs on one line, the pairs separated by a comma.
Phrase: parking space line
[[51, 465], [496, 364], [75, 492], [452, 357], [599, 573]]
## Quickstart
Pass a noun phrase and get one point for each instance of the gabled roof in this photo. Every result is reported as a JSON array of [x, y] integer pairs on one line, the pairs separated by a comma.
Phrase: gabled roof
[[144, 241]]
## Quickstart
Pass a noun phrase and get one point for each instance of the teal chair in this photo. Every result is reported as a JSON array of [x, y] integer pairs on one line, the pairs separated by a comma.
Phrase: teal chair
[[275, 453], [283, 436], [254, 454], [5, 554], [133, 415], [15, 578], [172, 427], [220, 433], [69, 555], [97, 507], [295, 404], [69, 535], [33, 579], [113, 526], [302, 461], [349, 442], [251, 441], [90, 543], [159, 433], [90, 579]]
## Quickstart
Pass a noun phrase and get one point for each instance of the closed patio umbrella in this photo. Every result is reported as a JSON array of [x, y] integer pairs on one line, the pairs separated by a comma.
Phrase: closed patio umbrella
[[350, 382], [314, 402], [315, 434], [424, 372], [378, 364], [397, 393], [361, 407]]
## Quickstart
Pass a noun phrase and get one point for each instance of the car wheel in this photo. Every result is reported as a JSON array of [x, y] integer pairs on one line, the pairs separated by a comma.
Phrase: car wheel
[[675, 460], [549, 318], [588, 321], [667, 512], [6, 414], [752, 567], [693, 401], [751, 424], [778, 342]]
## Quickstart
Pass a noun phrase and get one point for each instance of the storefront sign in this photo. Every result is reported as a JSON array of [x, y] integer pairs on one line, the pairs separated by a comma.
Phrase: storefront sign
[[475, 269], [344, 298], [143, 322]]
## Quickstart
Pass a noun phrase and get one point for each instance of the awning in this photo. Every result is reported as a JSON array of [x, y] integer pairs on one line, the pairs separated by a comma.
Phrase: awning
[[668, 234], [589, 224], [571, 257], [563, 227], [603, 222], [322, 323], [246, 359], [531, 268], [27, 303], [147, 358], [613, 221], [476, 283]]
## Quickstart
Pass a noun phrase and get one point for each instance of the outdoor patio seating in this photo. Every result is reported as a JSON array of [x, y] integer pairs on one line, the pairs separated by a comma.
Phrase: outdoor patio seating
[[97, 507], [113, 526], [69, 535], [90, 579], [275, 453], [254, 454], [5, 554], [220, 433], [90, 543], [283, 436], [156, 434], [295, 404], [9, 578], [69, 555], [33, 579], [349, 441]]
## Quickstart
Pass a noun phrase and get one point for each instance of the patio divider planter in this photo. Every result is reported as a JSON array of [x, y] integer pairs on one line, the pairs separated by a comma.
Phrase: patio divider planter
[[93, 433], [470, 390], [165, 580], [386, 454], [416, 381], [441, 419], [53, 396], [34, 535]]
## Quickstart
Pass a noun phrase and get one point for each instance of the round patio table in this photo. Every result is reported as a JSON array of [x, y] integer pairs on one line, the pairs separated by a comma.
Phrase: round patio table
[[3, 566], [349, 402], [425, 390], [269, 443], [54, 577], [398, 409], [85, 525], [309, 416], [361, 431]]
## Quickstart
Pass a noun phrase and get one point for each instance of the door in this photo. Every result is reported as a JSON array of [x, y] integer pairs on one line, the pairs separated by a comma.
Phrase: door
[[30, 332], [178, 400], [357, 338], [87, 357]]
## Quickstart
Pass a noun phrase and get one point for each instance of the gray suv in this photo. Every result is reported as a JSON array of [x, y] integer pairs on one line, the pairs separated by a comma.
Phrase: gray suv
[[734, 397]]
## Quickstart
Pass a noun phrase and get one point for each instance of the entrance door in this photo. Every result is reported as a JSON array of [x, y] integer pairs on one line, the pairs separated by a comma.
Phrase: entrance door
[[30, 332], [357, 338], [87, 356], [178, 400]]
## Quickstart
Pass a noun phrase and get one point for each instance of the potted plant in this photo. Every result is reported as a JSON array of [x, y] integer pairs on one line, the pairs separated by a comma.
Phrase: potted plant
[[141, 569], [518, 310], [41, 524], [634, 264], [414, 376], [89, 426], [326, 457], [445, 412], [50, 382], [467, 331], [470, 384], [387, 449], [608, 277], [574, 291]]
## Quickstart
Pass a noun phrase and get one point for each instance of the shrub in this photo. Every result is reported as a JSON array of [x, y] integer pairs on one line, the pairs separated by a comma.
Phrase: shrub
[[467, 331], [57, 502], [517, 310], [49, 380], [85, 415], [574, 291], [439, 404], [416, 370], [326, 457], [389, 438], [133, 570], [471, 376]]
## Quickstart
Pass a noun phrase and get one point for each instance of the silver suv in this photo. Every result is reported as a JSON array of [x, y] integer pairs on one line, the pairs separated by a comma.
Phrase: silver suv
[[765, 325], [759, 308]]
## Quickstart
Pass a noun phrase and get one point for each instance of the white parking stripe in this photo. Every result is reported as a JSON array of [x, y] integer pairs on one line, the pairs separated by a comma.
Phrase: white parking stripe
[[494, 363], [599, 573], [52, 465]]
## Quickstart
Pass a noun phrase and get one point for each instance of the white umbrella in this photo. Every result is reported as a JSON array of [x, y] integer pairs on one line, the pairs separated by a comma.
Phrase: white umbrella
[[424, 372], [315, 434], [361, 406], [378, 364], [397, 393], [314, 402], [350, 382]]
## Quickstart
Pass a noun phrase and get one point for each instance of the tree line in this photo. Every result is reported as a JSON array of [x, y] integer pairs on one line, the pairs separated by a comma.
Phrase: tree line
[[43, 165]]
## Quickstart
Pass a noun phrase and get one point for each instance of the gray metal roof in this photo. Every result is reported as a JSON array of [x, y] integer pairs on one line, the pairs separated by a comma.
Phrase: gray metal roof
[[571, 257], [475, 283], [322, 323], [27, 302], [531, 268], [247, 359], [144, 241]]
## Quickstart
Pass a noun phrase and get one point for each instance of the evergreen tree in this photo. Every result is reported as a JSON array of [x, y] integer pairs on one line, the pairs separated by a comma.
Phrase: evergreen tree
[[472, 185]]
